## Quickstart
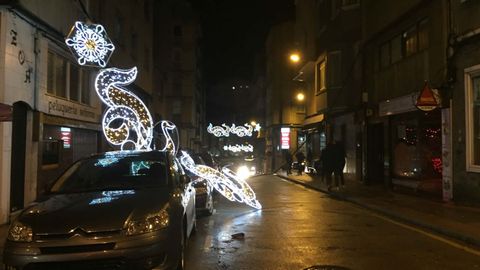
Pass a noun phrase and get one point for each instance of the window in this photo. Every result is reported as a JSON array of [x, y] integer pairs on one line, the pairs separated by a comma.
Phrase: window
[[177, 30], [410, 41], [396, 49], [422, 35], [472, 96], [413, 40], [177, 107], [334, 69], [320, 77], [350, 4], [385, 55], [56, 80], [74, 83], [60, 71], [85, 86]]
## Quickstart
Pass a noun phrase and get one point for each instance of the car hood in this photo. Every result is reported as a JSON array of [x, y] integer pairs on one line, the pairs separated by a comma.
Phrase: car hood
[[93, 211]]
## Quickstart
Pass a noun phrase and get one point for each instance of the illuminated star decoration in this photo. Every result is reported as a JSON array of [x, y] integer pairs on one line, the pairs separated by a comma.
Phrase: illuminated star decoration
[[126, 112], [90, 44], [238, 148], [226, 182]]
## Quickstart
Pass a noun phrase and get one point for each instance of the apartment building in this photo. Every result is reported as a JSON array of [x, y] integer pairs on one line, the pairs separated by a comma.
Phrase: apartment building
[[50, 111]]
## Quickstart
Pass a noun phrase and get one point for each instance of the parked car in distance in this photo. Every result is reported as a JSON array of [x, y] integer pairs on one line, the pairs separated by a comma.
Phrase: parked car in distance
[[118, 210], [203, 189]]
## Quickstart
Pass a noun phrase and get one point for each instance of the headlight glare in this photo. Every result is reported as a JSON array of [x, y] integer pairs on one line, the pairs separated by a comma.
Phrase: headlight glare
[[150, 223], [20, 232]]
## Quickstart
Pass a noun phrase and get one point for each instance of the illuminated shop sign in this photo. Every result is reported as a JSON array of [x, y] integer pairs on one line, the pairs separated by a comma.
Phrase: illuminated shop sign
[[66, 136], [285, 138]]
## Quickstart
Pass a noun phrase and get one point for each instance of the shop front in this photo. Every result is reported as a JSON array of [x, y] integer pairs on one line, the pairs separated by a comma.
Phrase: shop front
[[415, 145]]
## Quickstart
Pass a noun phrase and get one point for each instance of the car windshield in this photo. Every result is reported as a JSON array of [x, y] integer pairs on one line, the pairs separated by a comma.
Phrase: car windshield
[[113, 172]]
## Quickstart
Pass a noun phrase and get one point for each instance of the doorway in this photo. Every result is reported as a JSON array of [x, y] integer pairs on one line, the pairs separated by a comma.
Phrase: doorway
[[375, 154], [19, 137]]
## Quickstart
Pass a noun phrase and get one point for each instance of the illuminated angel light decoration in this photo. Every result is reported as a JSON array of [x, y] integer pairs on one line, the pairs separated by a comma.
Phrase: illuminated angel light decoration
[[226, 182], [240, 131], [126, 112], [238, 148], [90, 44], [128, 121]]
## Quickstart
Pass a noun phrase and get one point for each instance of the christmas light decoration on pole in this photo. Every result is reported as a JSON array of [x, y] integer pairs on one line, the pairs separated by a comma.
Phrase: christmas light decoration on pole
[[90, 44], [127, 123], [126, 112]]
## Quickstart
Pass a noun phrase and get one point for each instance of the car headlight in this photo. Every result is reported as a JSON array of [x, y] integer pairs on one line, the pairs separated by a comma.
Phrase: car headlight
[[243, 172], [20, 232], [148, 224]]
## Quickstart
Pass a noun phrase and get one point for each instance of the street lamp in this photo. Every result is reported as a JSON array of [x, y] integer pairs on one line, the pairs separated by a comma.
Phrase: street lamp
[[300, 96], [295, 57]]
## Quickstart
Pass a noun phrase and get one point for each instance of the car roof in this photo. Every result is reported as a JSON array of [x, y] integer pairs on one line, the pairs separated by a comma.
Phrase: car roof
[[124, 153]]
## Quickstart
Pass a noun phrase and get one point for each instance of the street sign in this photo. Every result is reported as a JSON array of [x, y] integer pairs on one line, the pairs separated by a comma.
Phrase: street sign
[[427, 100]]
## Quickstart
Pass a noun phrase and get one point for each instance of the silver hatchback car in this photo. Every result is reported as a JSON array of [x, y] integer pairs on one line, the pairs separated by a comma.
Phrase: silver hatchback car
[[118, 210]]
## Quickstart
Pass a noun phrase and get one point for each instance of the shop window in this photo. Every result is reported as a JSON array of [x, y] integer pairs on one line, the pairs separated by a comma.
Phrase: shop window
[[51, 152], [472, 95], [417, 145]]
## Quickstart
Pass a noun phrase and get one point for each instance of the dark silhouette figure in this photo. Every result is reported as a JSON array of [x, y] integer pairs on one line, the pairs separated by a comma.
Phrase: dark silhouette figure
[[301, 162], [327, 166], [338, 157], [288, 161]]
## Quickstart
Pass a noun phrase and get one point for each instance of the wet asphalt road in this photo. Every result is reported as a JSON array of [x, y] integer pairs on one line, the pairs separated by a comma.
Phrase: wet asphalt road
[[298, 228]]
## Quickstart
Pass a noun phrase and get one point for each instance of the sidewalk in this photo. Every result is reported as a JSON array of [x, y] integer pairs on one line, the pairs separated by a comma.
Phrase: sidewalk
[[454, 221]]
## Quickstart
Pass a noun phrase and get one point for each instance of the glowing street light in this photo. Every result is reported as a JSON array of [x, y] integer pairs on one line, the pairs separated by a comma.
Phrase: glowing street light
[[300, 96], [295, 57]]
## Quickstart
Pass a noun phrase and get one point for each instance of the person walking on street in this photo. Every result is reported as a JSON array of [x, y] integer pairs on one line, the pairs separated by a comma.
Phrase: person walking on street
[[327, 165], [338, 163], [300, 160], [288, 161]]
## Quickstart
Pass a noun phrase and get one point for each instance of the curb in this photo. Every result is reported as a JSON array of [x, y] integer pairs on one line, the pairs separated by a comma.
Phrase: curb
[[394, 216]]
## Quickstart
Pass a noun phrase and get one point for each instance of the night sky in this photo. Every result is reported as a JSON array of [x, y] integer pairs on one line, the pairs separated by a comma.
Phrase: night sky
[[234, 31]]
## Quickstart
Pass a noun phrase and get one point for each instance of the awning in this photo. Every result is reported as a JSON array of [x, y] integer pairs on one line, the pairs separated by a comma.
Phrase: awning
[[313, 120]]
